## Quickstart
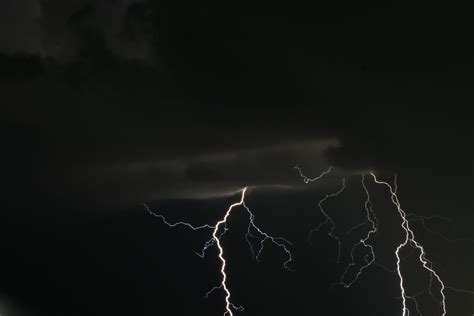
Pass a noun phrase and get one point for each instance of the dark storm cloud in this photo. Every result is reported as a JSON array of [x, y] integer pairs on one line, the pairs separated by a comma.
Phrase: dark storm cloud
[[236, 97], [97, 137], [184, 157], [64, 31], [217, 173], [20, 29], [112, 103]]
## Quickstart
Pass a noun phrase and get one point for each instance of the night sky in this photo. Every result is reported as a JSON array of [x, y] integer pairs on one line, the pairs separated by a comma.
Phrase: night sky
[[110, 104]]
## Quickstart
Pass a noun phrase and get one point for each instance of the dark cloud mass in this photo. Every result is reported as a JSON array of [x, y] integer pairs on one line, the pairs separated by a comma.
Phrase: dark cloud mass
[[63, 30], [113, 85]]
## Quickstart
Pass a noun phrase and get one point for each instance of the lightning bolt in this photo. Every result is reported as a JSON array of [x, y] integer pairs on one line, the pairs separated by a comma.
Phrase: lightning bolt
[[370, 258], [218, 230], [410, 239]]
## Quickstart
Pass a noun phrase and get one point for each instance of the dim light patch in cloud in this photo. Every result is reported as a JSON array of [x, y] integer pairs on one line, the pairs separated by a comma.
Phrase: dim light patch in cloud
[[214, 174]]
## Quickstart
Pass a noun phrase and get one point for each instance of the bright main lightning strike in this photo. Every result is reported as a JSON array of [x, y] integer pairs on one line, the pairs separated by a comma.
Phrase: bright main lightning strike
[[216, 240], [410, 239], [370, 258]]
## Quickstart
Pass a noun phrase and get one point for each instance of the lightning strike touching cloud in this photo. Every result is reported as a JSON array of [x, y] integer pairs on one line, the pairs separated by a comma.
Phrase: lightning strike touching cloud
[[308, 180], [218, 230]]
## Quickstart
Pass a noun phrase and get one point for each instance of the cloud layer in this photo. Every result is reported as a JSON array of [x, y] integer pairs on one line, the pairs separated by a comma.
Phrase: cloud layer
[[114, 98]]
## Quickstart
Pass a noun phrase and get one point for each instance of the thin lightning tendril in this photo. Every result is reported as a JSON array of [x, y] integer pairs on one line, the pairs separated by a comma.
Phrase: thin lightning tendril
[[356, 227], [372, 219], [217, 234], [423, 221], [308, 180], [329, 220]]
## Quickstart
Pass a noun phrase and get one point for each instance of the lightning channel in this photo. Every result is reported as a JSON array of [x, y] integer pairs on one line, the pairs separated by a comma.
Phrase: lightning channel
[[410, 240], [329, 221], [327, 218], [423, 221], [372, 219], [218, 230], [308, 180]]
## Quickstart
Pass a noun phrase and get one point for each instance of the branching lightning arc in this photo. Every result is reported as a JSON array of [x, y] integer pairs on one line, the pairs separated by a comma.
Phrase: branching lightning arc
[[369, 259], [346, 280], [218, 230]]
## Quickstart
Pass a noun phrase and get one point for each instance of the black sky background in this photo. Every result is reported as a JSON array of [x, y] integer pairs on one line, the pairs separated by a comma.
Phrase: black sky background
[[110, 104]]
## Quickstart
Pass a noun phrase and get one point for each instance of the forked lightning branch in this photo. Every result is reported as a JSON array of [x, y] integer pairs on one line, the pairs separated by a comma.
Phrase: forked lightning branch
[[409, 240], [218, 230]]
